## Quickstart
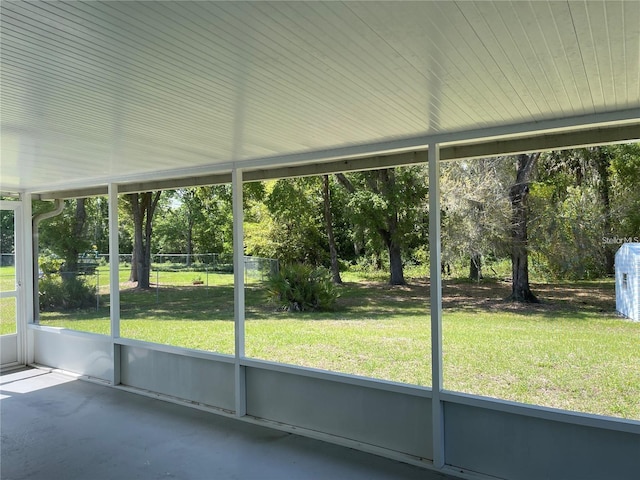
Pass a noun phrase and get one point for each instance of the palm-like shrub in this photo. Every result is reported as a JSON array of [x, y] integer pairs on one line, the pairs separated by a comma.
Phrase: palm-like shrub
[[301, 287], [69, 293]]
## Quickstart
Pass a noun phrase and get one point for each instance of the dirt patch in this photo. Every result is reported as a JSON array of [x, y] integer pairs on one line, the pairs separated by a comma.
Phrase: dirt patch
[[492, 295], [489, 295]]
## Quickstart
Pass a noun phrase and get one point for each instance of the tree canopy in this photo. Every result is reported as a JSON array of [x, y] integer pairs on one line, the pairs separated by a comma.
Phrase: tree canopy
[[566, 210]]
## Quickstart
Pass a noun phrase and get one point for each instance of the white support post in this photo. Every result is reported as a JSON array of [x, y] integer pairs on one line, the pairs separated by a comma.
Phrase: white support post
[[24, 248], [238, 290], [29, 287], [114, 279], [436, 306]]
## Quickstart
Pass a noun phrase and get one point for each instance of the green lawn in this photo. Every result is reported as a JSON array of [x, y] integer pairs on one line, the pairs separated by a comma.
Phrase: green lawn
[[7, 279], [7, 305], [570, 352], [7, 316]]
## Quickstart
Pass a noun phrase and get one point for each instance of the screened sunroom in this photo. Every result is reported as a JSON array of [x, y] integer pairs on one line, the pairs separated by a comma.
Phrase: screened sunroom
[[103, 102]]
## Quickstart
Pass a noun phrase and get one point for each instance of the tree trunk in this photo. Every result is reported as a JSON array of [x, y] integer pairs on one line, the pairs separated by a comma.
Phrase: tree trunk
[[78, 228], [520, 290], [137, 255], [395, 259], [395, 264], [144, 264], [133, 271], [604, 190], [71, 260], [328, 220], [445, 268], [190, 225], [388, 184], [475, 266], [378, 258], [143, 207], [383, 182]]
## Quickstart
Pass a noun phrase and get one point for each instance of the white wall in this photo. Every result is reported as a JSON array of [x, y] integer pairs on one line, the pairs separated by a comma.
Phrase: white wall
[[627, 264]]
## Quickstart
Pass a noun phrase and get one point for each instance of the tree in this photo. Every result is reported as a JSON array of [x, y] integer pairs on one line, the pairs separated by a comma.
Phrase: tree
[[78, 228], [295, 231], [476, 211], [142, 207], [176, 230], [389, 203], [602, 157], [328, 221], [7, 231], [518, 193], [192, 208], [578, 203], [625, 182], [66, 234]]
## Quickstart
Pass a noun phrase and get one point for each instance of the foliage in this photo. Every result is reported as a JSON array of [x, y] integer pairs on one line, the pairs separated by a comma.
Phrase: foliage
[[581, 205], [302, 287], [260, 236], [288, 223], [82, 226], [49, 263], [569, 238], [582, 199], [475, 209], [6, 231], [581, 202], [67, 234], [625, 172], [388, 210], [70, 293], [199, 219], [379, 194], [173, 230]]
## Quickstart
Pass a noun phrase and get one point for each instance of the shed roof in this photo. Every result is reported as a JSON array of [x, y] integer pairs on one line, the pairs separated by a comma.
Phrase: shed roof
[[95, 92], [631, 248]]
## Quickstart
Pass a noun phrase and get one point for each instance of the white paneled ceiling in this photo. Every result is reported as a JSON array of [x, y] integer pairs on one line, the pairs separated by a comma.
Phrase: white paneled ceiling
[[109, 91]]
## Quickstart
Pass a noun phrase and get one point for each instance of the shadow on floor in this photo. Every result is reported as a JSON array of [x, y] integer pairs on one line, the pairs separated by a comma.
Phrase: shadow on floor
[[56, 427]]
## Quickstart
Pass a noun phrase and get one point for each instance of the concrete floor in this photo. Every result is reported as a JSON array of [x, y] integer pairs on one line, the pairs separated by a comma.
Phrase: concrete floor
[[54, 427]]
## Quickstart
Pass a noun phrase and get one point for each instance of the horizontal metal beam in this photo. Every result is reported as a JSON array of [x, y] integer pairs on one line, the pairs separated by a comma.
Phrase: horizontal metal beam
[[629, 132], [546, 142], [72, 193], [9, 194], [347, 165], [170, 184]]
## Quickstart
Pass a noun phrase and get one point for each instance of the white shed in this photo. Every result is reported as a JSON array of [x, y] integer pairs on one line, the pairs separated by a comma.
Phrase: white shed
[[628, 280]]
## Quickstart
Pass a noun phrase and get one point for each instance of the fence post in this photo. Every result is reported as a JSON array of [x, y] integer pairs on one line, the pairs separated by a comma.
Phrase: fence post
[[97, 289]]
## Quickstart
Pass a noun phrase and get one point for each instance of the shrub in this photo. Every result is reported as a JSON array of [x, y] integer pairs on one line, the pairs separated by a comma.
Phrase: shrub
[[301, 287], [70, 293], [50, 263]]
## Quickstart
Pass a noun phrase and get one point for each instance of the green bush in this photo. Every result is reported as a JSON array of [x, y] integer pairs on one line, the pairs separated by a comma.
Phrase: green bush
[[301, 287], [70, 293], [50, 263]]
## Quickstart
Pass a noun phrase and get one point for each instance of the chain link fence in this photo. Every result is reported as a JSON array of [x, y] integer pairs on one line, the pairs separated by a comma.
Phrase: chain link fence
[[255, 268], [89, 285]]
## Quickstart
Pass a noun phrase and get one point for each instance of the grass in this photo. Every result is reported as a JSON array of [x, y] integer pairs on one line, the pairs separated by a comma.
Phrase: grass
[[588, 364], [7, 305], [7, 279], [7, 316], [570, 352]]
